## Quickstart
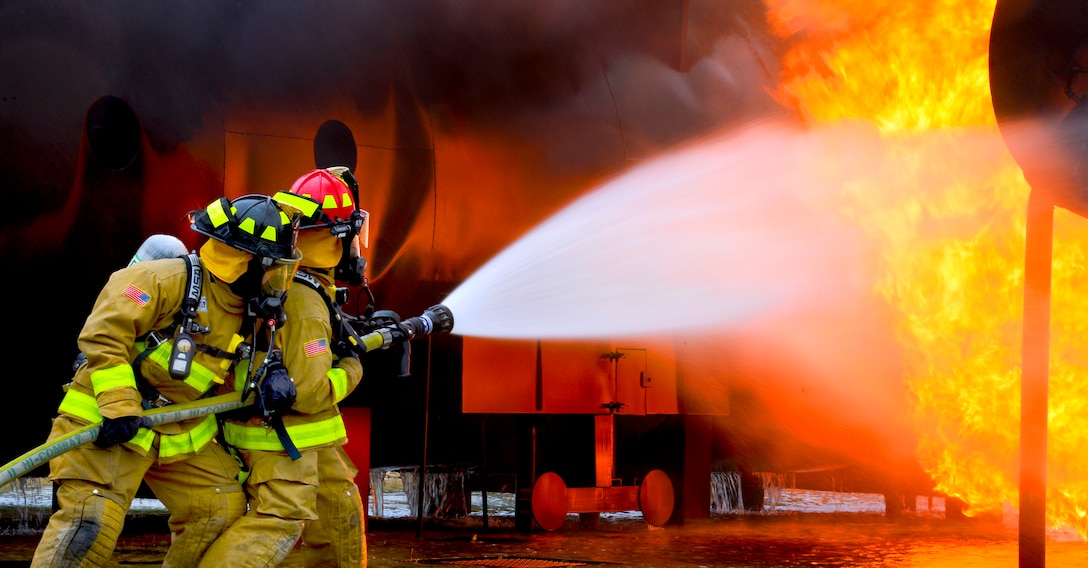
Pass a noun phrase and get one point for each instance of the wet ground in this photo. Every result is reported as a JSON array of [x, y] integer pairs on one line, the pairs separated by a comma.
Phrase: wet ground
[[805, 528], [781, 540]]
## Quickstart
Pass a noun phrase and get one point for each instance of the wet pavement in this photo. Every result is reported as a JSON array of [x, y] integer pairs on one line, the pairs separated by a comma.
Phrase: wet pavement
[[739, 541], [745, 540], [799, 528]]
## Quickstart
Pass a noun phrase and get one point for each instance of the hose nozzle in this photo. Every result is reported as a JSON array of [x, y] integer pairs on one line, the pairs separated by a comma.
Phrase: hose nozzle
[[437, 319], [391, 331]]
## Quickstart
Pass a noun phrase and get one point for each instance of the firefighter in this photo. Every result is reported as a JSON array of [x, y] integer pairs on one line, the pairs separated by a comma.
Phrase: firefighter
[[309, 496], [161, 332]]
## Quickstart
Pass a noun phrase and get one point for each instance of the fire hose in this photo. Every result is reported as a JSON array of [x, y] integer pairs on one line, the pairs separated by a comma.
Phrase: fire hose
[[436, 319], [165, 415]]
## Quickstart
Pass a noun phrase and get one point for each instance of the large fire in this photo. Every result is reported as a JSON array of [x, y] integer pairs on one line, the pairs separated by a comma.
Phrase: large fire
[[950, 224]]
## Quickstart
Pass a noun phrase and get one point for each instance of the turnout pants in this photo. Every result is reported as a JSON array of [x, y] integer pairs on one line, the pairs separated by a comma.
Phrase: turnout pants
[[282, 498], [337, 537], [95, 487]]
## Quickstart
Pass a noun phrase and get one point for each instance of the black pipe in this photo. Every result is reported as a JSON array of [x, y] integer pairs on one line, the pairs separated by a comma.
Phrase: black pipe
[[426, 425]]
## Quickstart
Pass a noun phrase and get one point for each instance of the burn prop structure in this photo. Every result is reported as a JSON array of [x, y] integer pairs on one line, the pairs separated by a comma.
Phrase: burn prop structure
[[552, 499]]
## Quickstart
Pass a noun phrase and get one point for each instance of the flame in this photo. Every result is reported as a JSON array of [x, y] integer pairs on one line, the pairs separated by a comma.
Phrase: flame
[[948, 216]]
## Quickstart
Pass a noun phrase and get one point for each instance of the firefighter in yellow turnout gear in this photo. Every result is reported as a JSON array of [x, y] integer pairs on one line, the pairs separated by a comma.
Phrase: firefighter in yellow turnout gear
[[312, 498], [129, 340]]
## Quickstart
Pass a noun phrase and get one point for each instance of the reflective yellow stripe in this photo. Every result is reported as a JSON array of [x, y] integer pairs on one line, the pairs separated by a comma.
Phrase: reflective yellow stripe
[[216, 214], [269, 233], [303, 435], [200, 377], [339, 380], [114, 377], [188, 442], [307, 206], [247, 225], [144, 438], [82, 405]]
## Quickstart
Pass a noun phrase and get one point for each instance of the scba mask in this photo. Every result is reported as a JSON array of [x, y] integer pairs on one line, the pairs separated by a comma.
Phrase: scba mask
[[352, 265], [275, 281]]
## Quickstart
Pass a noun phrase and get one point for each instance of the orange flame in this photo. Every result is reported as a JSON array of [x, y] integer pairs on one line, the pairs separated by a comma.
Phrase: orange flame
[[949, 220]]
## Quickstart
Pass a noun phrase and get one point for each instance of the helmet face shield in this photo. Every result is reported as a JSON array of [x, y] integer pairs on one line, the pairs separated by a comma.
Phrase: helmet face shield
[[363, 235], [278, 276]]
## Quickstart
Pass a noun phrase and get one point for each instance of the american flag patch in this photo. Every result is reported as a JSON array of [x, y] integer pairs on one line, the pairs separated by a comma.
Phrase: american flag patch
[[316, 347], [137, 295]]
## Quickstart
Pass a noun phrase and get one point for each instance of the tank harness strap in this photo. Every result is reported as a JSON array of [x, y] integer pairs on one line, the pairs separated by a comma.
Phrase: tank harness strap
[[181, 358], [285, 438], [276, 422], [193, 285], [307, 279]]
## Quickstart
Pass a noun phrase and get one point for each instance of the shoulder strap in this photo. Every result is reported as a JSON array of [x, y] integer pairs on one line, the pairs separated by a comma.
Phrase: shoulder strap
[[340, 321], [181, 329], [308, 279], [194, 283], [311, 282], [181, 357]]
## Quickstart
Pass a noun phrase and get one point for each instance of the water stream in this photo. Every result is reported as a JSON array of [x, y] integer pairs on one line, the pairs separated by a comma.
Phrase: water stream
[[715, 232]]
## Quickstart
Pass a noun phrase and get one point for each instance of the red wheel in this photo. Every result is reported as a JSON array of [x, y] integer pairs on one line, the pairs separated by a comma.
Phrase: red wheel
[[550, 501], [656, 498]]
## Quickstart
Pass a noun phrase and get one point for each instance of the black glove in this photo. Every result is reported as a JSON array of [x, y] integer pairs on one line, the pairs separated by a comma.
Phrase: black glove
[[276, 392], [80, 360], [115, 431]]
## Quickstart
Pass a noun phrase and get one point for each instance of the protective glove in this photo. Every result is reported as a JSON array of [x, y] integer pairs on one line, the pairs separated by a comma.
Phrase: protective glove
[[80, 360], [119, 430], [277, 391]]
